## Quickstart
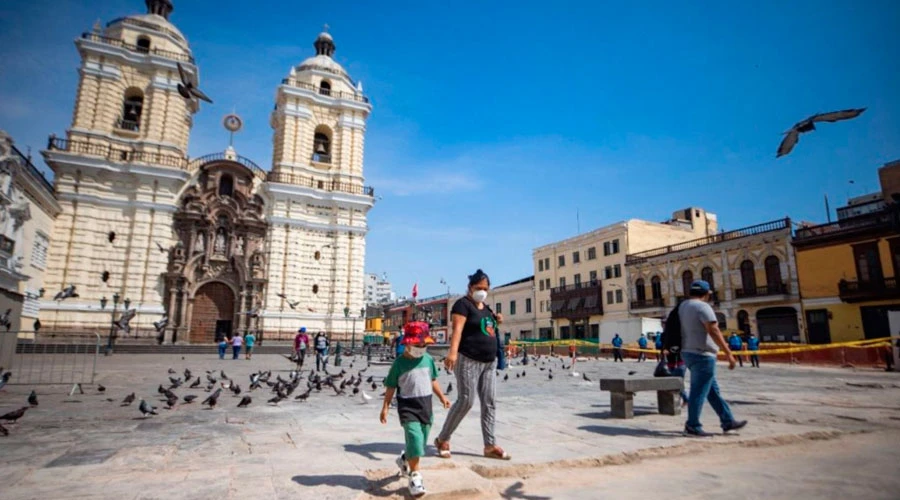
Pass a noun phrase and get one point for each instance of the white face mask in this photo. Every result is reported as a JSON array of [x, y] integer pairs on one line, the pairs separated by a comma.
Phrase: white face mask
[[479, 296], [416, 352]]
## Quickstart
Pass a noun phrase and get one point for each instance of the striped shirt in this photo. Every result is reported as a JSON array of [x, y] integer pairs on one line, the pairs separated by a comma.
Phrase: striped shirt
[[412, 378]]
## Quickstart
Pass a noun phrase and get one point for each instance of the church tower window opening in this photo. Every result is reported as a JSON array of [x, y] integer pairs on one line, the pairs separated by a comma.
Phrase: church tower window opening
[[226, 185], [143, 44], [325, 87], [132, 107], [322, 145]]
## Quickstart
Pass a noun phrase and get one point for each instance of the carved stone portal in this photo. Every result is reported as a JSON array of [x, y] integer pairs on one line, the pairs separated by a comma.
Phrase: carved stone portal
[[216, 273]]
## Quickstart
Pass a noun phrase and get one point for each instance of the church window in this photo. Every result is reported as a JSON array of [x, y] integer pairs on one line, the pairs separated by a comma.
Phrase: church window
[[322, 145], [226, 185], [325, 87], [143, 44], [131, 110]]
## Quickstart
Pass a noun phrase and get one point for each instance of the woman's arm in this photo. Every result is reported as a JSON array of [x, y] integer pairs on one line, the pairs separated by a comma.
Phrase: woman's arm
[[457, 321]]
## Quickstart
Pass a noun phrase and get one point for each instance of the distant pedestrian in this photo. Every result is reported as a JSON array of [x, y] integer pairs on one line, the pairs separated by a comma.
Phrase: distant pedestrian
[[249, 342], [223, 346], [321, 344], [701, 341], [301, 343], [736, 345], [753, 347], [398, 345], [617, 349], [236, 343], [658, 343], [573, 352], [642, 344]]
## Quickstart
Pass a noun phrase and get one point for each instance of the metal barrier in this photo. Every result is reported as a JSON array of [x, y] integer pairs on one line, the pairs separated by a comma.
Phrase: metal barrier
[[52, 359]]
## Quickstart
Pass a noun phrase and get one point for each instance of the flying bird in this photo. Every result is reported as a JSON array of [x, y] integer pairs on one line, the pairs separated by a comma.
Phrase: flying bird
[[125, 319], [188, 88], [66, 293], [4, 319], [160, 325], [32, 398], [111, 236], [146, 409], [291, 303], [808, 125], [104, 276], [161, 248]]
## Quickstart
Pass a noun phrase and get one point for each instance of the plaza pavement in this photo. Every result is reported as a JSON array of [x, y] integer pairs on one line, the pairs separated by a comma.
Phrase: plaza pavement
[[333, 447]]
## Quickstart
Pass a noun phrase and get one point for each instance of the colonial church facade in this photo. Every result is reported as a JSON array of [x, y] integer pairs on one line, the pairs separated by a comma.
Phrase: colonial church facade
[[216, 244]]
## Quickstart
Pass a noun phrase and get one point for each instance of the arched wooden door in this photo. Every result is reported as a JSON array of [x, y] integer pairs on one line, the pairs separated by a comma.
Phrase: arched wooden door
[[212, 316]]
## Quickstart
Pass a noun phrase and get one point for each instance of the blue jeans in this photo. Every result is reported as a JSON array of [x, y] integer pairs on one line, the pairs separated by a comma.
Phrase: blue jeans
[[237, 351], [222, 348], [678, 371], [704, 387]]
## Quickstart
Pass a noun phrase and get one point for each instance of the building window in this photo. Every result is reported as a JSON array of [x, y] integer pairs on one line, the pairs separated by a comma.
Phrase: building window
[[743, 321], [607, 272], [143, 44], [578, 279], [541, 306], [655, 288], [512, 307], [640, 290], [562, 261], [615, 246], [541, 285], [226, 185], [540, 265], [706, 274], [619, 296], [499, 308], [748, 277], [773, 273], [868, 262], [606, 248], [609, 297], [527, 306], [315, 289], [39, 251], [617, 271], [593, 277], [322, 145], [132, 107], [576, 257], [325, 87], [562, 282], [687, 278], [548, 284], [592, 253], [546, 263]]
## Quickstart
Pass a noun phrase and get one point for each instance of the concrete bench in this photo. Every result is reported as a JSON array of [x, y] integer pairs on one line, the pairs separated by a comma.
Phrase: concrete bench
[[621, 394]]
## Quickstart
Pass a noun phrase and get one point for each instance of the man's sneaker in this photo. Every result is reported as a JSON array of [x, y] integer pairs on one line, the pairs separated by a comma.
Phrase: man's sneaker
[[692, 432], [403, 464], [734, 425], [416, 487]]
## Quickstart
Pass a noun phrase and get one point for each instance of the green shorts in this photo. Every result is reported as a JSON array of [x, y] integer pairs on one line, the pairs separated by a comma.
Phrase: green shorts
[[415, 435]]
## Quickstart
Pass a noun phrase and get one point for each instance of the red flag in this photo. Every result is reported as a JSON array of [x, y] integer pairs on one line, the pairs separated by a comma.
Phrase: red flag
[[415, 290]]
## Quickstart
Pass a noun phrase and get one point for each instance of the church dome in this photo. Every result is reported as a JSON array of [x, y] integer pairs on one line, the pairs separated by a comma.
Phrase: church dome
[[323, 61], [156, 19]]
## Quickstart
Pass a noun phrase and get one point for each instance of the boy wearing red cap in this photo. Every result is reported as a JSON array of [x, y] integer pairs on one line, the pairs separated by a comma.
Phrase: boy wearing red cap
[[414, 377]]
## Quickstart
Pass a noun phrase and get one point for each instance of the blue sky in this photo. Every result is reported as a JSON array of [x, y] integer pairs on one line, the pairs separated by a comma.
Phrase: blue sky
[[494, 122]]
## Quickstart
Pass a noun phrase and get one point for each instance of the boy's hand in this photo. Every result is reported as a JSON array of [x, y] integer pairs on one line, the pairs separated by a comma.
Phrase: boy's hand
[[384, 412], [445, 402]]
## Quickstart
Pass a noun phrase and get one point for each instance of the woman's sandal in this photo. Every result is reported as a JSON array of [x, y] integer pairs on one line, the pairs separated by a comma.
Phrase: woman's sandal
[[443, 448], [497, 453]]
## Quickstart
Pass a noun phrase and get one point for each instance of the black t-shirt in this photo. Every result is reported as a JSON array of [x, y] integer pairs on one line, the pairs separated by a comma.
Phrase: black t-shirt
[[479, 341]]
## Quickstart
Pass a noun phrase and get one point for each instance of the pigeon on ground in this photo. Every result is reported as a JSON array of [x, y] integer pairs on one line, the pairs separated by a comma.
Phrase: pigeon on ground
[[632, 372], [304, 396], [172, 401], [585, 377], [213, 398], [196, 383], [100, 388], [449, 389], [13, 416], [505, 377], [3, 431], [172, 371], [374, 386], [32, 398], [222, 375], [808, 125], [66, 293], [188, 87], [190, 398], [550, 375], [187, 374], [275, 400], [245, 402], [365, 397], [146, 409], [128, 399]]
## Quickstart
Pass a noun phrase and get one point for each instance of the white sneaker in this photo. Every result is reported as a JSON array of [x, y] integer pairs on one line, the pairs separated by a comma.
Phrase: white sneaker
[[416, 488], [403, 464]]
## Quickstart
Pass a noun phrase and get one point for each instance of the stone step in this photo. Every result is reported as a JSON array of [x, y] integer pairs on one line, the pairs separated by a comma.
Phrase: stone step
[[444, 481]]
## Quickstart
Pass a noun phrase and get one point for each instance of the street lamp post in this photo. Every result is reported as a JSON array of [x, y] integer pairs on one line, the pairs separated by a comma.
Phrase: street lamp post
[[112, 321]]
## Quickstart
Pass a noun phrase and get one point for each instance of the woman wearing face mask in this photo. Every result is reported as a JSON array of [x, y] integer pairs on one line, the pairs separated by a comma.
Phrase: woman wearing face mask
[[473, 358]]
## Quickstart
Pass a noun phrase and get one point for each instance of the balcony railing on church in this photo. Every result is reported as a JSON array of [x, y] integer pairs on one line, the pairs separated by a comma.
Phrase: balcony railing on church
[[310, 182], [114, 154], [115, 42], [247, 162], [350, 96], [130, 125], [321, 158]]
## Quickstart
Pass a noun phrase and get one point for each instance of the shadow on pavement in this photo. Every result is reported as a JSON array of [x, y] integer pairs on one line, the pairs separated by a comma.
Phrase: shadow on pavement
[[645, 410], [377, 488], [608, 430], [515, 492], [367, 450]]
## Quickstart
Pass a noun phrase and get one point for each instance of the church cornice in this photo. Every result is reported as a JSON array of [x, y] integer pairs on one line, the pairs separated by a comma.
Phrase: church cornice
[[60, 159], [120, 54], [294, 192], [109, 202], [304, 224], [325, 101]]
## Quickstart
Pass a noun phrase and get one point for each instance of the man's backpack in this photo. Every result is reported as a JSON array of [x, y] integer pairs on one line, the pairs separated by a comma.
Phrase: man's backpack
[[671, 335]]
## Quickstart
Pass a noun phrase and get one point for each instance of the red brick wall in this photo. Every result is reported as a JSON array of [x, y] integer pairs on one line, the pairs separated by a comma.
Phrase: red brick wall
[[214, 301]]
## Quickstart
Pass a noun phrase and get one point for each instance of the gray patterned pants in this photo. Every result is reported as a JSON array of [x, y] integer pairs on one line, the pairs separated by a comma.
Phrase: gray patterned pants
[[472, 375]]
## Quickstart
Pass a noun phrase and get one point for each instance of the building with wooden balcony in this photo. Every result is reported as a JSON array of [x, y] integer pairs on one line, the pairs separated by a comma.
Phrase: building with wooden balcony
[[217, 243], [849, 268], [751, 271], [435, 310], [580, 285]]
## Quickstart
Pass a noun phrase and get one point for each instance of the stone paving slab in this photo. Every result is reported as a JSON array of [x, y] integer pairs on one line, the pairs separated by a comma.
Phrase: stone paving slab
[[334, 447]]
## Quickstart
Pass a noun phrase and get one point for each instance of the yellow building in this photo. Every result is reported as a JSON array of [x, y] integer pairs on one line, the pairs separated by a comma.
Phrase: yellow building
[[581, 290], [848, 269], [751, 270]]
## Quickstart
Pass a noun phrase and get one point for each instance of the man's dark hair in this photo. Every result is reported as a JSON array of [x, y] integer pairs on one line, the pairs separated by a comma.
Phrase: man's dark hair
[[476, 278]]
